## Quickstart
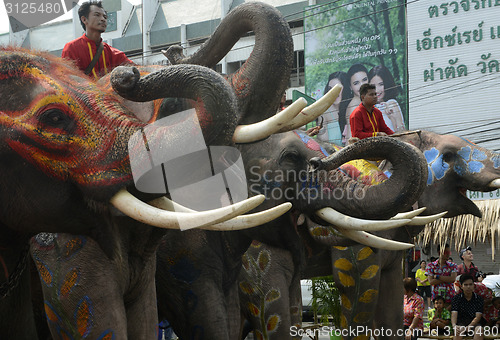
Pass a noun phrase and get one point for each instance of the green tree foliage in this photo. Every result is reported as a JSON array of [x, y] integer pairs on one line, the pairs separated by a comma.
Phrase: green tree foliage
[[326, 300]]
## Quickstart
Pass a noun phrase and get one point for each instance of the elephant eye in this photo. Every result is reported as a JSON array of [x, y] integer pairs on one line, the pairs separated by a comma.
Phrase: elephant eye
[[289, 156], [57, 119], [448, 156]]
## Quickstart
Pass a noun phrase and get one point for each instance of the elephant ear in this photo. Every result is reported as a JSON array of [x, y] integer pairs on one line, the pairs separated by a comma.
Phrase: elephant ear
[[260, 82]]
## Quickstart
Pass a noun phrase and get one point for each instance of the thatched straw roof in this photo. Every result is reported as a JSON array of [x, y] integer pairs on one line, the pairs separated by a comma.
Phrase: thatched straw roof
[[466, 229]]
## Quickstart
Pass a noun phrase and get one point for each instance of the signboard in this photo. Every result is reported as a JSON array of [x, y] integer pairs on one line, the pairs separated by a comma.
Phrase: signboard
[[477, 195], [355, 43], [453, 61]]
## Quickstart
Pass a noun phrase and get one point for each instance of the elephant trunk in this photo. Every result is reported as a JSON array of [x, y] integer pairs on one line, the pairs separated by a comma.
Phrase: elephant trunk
[[215, 102], [265, 73], [381, 201]]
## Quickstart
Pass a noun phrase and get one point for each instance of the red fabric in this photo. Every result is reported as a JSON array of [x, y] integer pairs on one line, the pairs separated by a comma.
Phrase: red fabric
[[364, 125], [78, 50], [489, 311]]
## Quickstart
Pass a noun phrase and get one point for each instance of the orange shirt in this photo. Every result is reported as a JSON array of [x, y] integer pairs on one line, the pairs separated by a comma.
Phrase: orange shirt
[[82, 50]]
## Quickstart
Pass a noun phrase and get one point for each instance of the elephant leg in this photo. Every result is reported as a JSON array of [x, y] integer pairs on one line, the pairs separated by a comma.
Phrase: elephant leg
[[141, 305], [82, 294], [16, 313], [233, 311], [356, 272], [265, 295], [389, 313], [296, 301]]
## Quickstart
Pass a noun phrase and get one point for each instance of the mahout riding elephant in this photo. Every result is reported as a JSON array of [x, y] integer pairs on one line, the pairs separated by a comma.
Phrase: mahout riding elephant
[[370, 281], [197, 270], [66, 169]]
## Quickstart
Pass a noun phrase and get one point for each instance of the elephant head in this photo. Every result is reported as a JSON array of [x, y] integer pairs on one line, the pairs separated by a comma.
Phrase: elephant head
[[296, 168], [455, 166], [65, 136]]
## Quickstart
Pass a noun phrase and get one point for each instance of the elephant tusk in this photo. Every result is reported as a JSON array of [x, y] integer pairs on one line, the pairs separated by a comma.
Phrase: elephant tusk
[[237, 223], [313, 111], [409, 214], [374, 241], [495, 183], [340, 220], [263, 129], [422, 220], [143, 212]]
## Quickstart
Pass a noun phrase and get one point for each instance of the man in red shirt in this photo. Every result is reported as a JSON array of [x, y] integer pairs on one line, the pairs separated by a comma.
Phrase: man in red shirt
[[366, 120], [93, 19]]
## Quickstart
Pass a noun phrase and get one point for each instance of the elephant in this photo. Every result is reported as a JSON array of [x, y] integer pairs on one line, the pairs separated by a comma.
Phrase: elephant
[[455, 165], [369, 279], [67, 161], [197, 270], [196, 281]]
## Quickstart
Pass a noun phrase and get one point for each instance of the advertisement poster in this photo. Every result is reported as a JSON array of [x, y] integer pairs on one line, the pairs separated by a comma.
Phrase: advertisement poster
[[454, 68], [355, 43]]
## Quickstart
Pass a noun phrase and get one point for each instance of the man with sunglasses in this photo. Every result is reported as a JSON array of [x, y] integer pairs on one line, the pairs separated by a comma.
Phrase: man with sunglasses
[[442, 274]]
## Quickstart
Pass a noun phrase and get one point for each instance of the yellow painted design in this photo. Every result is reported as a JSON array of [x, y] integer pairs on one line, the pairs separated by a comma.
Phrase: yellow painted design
[[340, 248], [346, 303], [368, 296], [346, 280], [370, 272], [343, 321], [253, 309], [246, 288], [364, 253], [343, 264], [272, 295], [362, 317], [273, 322]]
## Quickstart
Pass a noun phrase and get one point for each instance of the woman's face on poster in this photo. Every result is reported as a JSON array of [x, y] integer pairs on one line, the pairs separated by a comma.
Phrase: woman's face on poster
[[331, 84], [358, 79], [379, 88]]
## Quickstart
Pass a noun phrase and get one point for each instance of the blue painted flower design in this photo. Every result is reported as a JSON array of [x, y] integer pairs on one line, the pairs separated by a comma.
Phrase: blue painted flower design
[[496, 160], [437, 166], [471, 161]]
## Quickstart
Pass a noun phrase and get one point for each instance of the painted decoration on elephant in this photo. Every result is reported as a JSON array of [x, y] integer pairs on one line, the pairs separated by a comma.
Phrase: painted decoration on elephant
[[256, 268], [354, 43]]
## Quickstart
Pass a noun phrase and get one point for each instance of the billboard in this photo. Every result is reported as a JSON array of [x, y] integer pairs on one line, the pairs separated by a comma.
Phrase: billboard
[[354, 43]]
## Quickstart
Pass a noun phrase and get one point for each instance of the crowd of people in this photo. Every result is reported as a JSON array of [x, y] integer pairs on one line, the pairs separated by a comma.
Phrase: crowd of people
[[461, 304]]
